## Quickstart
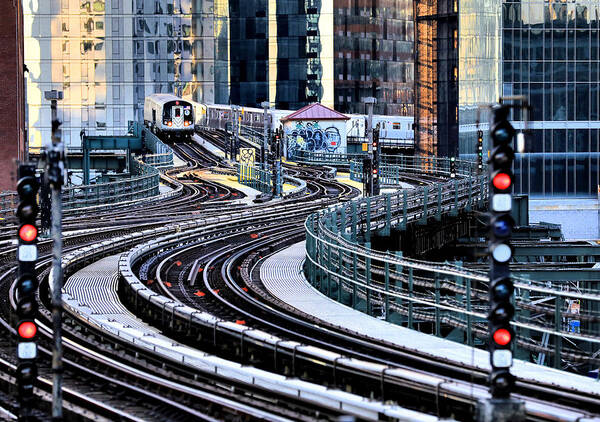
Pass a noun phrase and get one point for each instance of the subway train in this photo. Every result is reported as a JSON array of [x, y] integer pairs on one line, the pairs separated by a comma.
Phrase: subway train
[[169, 116], [395, 130]]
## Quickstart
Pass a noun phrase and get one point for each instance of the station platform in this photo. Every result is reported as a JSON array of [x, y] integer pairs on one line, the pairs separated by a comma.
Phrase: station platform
[[282, 275]]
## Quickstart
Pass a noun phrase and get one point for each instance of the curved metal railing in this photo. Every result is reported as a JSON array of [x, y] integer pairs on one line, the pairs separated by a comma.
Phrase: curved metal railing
[[441, 298], [144, 185]]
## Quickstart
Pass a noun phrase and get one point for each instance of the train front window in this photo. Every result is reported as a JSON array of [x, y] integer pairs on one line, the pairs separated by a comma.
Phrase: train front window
[[177, 112]]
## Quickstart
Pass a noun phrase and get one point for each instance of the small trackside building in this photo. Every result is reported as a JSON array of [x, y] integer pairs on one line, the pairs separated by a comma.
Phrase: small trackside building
[[315, 128]]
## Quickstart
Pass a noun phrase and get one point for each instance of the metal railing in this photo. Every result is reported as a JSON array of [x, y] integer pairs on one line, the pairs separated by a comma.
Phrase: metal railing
[[327, 158], [145, 184], [394, 167], [443, 299], [255, 177], [8, 203], [162, 155]]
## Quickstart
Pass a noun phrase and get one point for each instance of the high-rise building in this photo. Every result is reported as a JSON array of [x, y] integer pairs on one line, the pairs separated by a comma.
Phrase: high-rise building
[[436, 77], [373, 45], [333, 52], [12, 113], [547, 52], [107, 55], [550, 55], [479, 70]]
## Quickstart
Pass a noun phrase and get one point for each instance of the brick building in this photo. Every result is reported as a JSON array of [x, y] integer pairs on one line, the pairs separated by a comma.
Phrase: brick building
[[12, 94]]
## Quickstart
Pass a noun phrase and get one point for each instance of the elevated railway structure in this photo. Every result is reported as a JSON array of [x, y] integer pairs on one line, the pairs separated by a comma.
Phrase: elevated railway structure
[[166, 301]]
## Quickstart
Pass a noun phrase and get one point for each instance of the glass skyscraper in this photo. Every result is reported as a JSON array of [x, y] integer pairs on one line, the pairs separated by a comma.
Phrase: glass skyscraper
[[550, 55], [436, 77], [108, 55], [547, 51], [479, 69]]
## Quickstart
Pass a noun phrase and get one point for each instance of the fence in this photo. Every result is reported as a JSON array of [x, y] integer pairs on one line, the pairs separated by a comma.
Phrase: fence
[[558, 319], [145, 184], [8, 203], [256, 178], [162, 155]]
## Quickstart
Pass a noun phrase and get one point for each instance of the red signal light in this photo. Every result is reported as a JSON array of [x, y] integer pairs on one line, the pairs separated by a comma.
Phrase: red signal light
[[176, 102], [502, 181], [502, 336], [374, 171], [28, 233], [27, 330]]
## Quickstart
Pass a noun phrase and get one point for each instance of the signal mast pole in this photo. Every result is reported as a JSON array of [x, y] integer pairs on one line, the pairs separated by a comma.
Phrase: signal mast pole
[[501, 407], [55, 171]]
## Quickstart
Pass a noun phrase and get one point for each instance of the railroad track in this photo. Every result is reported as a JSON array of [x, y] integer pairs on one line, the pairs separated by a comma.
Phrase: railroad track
[[230, 255], [148, 218], [240, 302]]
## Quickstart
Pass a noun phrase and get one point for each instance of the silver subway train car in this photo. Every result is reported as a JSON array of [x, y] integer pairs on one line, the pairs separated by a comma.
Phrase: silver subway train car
[[169, 116]]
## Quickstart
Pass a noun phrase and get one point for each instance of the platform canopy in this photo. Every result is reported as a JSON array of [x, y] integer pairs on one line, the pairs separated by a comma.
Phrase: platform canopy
[[315, 112]]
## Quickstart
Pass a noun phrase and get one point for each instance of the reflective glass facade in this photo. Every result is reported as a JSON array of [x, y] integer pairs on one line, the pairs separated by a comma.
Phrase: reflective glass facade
[[107, 55], [373, 53], [479, 68], [436, 81], [248, 49], [550, 54]]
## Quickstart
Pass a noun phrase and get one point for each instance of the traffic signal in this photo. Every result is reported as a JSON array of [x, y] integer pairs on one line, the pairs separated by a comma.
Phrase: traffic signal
[[452, 167], [376, 167], [27, 282], [500, 228], [479, 151]]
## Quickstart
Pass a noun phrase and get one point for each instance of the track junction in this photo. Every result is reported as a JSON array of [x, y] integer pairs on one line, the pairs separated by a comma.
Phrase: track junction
[[168, 318]]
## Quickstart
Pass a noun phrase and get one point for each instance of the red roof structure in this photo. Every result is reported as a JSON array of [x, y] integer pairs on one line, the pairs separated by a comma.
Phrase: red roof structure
[[315, 112]]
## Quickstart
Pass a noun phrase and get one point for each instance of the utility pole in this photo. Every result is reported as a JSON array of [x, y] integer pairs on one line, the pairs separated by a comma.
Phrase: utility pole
[[276, 163], [368, 163], [235, 126], [55, 174], [265, 105], [375, 184], [369, 101]]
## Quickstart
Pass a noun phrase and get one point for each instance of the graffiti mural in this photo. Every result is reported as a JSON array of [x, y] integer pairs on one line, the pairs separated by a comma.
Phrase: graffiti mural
[[247, 156], [309, 136]]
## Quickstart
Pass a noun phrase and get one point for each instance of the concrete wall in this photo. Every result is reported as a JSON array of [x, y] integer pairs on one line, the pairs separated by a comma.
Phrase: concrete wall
[[12, 97], [315, 136]]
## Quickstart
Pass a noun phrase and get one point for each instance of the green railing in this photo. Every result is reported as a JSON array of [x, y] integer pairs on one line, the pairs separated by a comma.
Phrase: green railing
[[162, 155], [394, 168], [326, 158], [256, 178], [553, 319], [144, 184]]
